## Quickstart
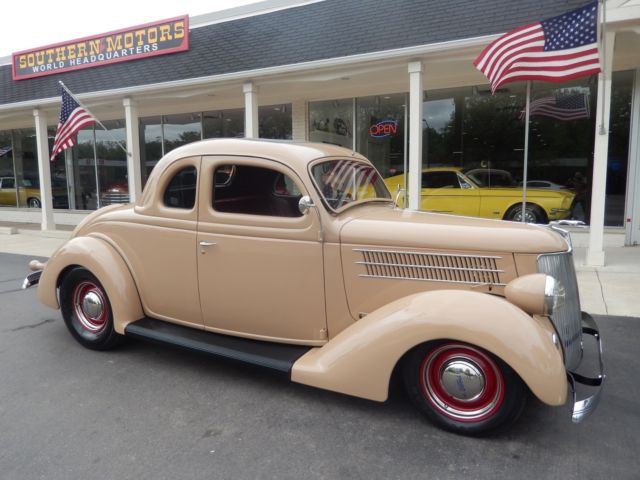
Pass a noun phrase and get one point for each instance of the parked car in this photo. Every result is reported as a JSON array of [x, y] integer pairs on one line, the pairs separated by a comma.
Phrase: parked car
[[29, 193], [294, 257], [117, 192], [449, 190]]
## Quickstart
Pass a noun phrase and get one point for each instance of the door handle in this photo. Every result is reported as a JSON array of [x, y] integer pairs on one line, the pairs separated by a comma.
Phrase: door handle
[[204, 244]]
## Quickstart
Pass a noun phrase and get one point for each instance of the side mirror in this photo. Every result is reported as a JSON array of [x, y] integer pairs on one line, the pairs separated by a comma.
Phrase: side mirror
[[305, 204]]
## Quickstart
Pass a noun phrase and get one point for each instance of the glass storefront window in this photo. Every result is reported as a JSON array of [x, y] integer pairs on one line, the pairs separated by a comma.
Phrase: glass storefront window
[[275, 121], [223, 124], [380, 122], [8, 194], [180, 129], [112, 162], [331, 121], [85, 177], [151, 145], [25, 163], [620, 121]]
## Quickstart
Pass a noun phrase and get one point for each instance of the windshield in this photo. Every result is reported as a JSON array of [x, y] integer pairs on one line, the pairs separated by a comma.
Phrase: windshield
[[341, 182]]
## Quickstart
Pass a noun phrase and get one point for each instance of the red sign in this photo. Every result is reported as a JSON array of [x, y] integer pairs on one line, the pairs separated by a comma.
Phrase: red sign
[[157, 38]]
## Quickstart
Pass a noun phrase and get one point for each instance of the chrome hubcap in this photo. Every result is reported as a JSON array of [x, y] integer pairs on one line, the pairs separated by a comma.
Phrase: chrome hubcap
[[462, 379], [462, 382], [90, 306]]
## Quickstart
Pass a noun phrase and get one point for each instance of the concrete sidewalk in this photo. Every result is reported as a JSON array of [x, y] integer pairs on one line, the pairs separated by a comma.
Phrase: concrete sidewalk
[[610, 290]]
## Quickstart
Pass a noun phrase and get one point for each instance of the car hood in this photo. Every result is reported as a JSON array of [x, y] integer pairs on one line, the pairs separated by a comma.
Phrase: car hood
[[407, 228]]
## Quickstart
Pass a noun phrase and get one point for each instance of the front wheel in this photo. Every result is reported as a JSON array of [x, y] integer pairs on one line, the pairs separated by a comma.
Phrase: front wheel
[[34, 203], [462, 388], [532, 214], [87, 311]]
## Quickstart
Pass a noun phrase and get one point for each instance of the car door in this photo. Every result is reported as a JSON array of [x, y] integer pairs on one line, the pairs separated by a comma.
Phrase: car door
[[260, 268], [443, 191]]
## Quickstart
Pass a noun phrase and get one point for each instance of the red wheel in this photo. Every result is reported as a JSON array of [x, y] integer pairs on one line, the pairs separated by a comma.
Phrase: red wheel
[[463, 388], [87, 311]]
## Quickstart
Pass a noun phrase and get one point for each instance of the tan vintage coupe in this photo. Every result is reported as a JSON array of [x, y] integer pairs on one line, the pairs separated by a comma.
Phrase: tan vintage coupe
[[293, 257]]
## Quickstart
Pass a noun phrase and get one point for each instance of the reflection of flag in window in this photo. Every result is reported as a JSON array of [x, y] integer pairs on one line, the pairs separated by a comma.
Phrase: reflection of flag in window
[[5, 150], [562, 107]]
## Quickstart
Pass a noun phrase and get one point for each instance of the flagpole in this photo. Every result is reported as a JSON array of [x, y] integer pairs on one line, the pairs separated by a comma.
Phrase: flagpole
[[603, 130], [526, 150], [95, 118]]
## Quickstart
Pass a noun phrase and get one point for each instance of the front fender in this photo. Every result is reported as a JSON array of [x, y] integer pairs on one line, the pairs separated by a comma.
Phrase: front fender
[[360, 359], [107, 265]]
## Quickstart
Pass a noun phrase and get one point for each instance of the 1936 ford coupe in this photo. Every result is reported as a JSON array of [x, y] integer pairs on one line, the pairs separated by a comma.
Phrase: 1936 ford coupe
[[294, 257]]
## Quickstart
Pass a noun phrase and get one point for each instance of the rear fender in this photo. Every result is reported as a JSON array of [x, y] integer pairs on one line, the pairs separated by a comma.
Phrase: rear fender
[[360, 359], [106, 264]]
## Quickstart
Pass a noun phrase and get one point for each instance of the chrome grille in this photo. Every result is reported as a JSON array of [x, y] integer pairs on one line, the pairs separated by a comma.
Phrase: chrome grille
[[567, 318], [110, 198], [436, 267]]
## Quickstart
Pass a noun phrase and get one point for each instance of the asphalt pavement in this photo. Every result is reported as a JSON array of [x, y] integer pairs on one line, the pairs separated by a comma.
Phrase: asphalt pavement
[[146, 411]]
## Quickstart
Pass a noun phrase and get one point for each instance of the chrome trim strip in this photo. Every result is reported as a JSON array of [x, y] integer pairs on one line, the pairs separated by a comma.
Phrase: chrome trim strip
[[429, 267], [432, 280], [409, 252], [581, 409]]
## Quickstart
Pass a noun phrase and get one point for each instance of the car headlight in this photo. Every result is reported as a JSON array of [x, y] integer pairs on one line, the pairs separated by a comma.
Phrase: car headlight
[[536, 294], [554, 294]]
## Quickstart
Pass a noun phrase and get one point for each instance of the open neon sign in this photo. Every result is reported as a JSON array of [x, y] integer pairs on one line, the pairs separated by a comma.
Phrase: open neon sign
[[383, 129]]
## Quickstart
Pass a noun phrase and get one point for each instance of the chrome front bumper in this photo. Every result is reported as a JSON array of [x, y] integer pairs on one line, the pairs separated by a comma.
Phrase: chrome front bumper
[[582, 408]]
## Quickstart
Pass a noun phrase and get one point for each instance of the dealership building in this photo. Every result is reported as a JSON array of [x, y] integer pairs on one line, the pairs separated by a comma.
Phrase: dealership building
[[392, 80]]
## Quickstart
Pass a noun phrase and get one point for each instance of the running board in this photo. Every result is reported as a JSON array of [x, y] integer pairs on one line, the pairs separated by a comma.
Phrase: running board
[[276, 356]]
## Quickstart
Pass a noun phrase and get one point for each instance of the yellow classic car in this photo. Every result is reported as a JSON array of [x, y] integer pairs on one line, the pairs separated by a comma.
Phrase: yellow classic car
[[27, 194], [449, 190]]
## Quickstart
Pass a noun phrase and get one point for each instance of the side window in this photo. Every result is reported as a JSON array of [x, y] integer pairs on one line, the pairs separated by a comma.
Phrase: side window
[[255, 191], [181, 191], [440, 180], [8, 183]]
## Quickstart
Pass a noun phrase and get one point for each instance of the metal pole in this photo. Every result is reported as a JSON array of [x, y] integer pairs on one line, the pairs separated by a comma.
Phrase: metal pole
[[603, 129], [526, 151], [95, 118]]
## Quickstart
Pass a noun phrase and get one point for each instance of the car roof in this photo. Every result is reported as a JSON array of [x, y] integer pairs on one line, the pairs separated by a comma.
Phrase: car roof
[[295, 154]]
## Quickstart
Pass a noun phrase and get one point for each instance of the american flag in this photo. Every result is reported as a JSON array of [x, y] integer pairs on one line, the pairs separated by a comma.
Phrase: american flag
[[554, 50], [72, 119], [562, 107]]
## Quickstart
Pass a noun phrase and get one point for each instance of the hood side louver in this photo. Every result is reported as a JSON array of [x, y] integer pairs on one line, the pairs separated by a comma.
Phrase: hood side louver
[[435, 267]]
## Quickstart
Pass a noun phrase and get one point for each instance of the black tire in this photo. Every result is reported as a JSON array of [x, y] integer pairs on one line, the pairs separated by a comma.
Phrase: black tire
[[33, 202], [432, 370], [533, 214], [87, 311]]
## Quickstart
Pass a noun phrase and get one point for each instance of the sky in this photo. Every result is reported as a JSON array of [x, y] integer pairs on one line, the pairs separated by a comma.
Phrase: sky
[[35, 23]]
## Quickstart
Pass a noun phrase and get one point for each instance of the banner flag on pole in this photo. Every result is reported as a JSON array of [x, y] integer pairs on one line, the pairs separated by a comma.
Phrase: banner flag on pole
[[553, 50], [73, 118]]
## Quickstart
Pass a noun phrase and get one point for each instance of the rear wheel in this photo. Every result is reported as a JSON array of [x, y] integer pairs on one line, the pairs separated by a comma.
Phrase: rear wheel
[[533, 214], [462, 388], [87, 311], [33, 203]]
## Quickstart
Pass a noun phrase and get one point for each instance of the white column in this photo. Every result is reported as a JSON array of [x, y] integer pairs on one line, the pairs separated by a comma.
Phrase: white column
[[134, 169], [415, 135], [44, 170], [250, 110], [595, 252]]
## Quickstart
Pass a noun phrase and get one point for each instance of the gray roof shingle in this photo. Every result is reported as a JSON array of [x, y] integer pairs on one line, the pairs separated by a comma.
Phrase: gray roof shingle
[[328, 29]]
